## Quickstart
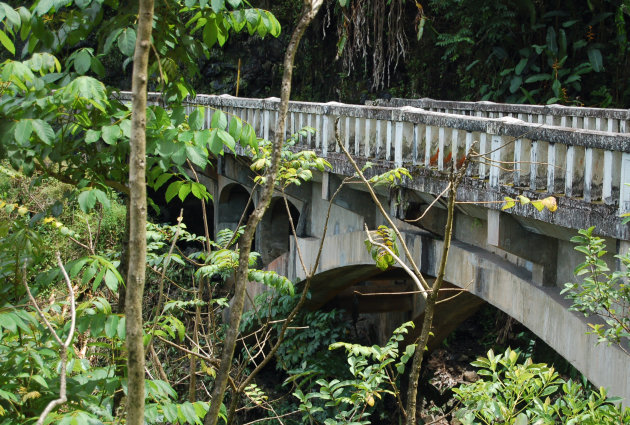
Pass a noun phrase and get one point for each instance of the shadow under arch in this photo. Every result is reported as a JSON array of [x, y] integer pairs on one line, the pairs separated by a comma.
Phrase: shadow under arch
[[275, 229], [193, 213], [233, 203], [392, 298]]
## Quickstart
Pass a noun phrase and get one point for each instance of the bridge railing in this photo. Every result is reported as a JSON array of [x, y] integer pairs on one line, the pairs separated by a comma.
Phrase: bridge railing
[[585, 164], [608, 120]]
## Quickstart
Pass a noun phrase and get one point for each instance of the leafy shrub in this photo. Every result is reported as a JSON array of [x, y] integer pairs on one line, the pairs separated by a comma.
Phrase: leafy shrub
[[524, 393], [602, 293]]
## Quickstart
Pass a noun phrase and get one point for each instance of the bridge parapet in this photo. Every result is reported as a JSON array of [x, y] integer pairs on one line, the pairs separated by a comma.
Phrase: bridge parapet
[[609, 120], [582, 166], [580, 163]]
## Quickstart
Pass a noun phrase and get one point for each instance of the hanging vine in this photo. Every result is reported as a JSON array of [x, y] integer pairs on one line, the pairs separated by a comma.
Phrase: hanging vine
[[376, 27]]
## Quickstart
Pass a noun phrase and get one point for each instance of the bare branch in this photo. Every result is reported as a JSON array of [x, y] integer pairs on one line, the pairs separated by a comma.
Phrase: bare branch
[[63, 351], [430, 205], [411, 274], [408, 256]]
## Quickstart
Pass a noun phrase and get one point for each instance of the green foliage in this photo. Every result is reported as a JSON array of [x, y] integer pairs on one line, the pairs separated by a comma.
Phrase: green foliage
[[549, 203], [60, 120], [531, 393], [391, 177], [382, 253], [601, 292], [295, 167], [375, 370], [304, 352]]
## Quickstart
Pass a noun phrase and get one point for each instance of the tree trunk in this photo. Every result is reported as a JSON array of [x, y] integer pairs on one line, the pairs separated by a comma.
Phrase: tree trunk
[[137, 217], [218, 392], [414, 374]]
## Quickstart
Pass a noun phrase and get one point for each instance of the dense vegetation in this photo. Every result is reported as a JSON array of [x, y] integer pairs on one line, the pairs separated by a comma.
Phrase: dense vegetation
[[67, 194], [520, 51]]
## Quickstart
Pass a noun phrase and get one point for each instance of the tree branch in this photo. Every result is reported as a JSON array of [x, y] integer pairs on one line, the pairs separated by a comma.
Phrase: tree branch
[[309, 11], [63, 352]]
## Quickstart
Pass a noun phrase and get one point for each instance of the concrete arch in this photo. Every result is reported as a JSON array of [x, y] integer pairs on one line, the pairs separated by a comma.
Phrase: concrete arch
[[232, 202], [275, 229], [495, 280]]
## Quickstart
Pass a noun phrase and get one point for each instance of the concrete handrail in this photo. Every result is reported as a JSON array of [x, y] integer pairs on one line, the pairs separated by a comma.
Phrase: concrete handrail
[[609, 120], [587, 164]]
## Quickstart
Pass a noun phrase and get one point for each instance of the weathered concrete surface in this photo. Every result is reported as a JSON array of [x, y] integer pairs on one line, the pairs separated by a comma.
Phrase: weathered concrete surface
[[494, 254], [491, 278], [506, 108]]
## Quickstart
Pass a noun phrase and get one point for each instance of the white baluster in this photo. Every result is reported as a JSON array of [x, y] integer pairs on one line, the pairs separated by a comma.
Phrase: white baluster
[[533, 168], [624, 190], [398, 146], [318, 131], [266, 124], [388, 141], [368, 136], [551, 167], [588, 174], [612, 173], [469, 143], [325, 127], [568, 175], [495, 165]]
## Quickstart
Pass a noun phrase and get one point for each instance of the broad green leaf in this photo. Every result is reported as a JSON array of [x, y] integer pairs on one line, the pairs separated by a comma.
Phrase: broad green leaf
[[23, 130], [111, 134], [173, 190], [111, 280], [44, 131], [595, 57], [122, 332], [226, 139], [163, 178], [538, 77], [515, 83], [7, 43], [196, 156], [215, 145], [97, 66], [248, 137], [184, 190], [87, 88], [219, 120], [111, 38], [196, 118], [127, 41], [82, 61], [520, 66], [210, 33], [87, 200], [217, 5], [102, 198], [111, 326], [236, 127], [202, 138], [199, 190], [92, 136]]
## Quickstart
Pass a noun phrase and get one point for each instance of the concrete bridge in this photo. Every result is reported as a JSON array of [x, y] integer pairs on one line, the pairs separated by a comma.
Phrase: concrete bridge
[[516, 260]]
